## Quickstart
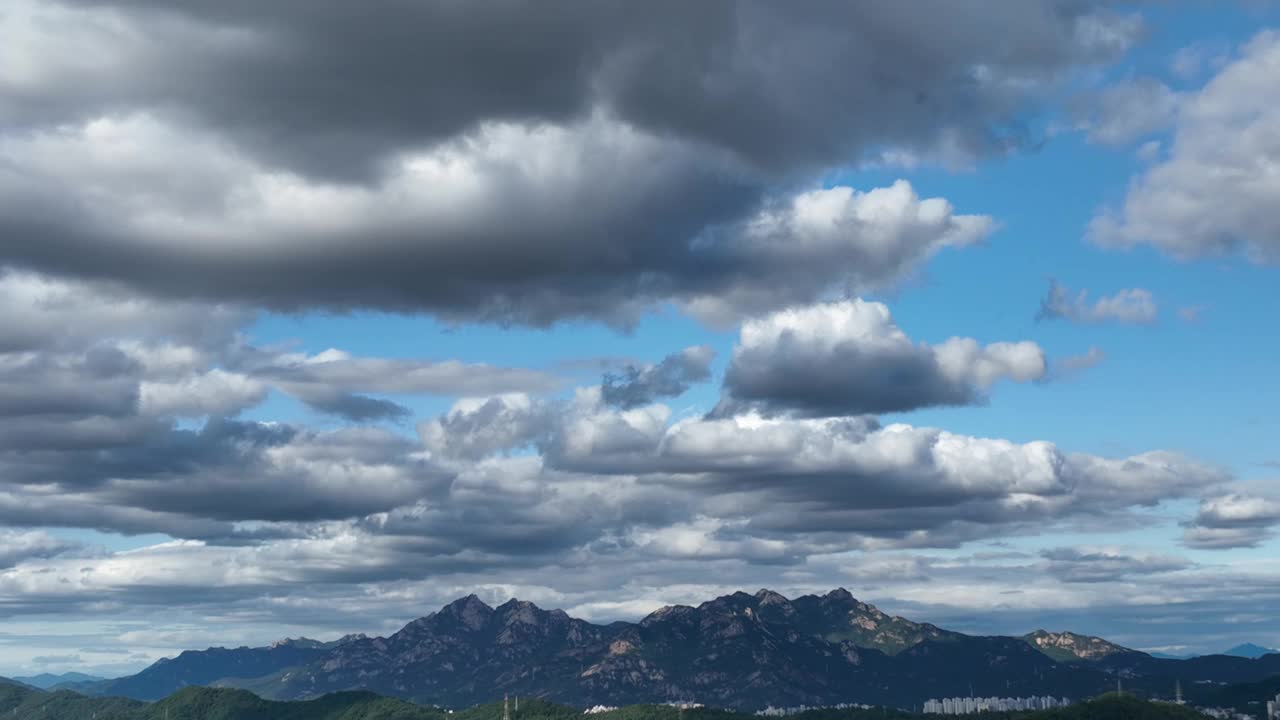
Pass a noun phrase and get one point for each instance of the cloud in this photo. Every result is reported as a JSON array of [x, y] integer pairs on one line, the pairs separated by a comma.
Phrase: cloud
[[355, 407], [1127, 111], [1225, 131], [1233, 520], [1095, 565], [476, 428], [1189, 62], [1132, 306], [819, 239], [225, 471], [59, 660], [86, 352], [852, 476], [17, 546], [850, 358], [58, 315], [676, 373], [119, 413], [583, 178], [1072, 364], [336, 383], [526, 232]]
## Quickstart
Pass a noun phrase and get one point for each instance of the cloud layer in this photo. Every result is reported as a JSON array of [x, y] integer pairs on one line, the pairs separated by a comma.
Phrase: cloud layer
[[580, 177]]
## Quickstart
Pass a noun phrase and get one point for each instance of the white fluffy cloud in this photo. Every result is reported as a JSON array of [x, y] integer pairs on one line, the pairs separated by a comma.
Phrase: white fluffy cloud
[[849, 358], [1215, 193], [820, 238]]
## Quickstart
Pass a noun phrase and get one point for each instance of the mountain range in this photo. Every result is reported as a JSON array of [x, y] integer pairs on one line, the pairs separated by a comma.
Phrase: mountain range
[[44, 681], [738, 651]]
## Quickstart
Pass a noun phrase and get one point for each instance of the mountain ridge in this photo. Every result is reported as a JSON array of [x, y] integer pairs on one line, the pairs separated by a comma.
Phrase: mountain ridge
[[738, 650], [45, 681], [1249, 650]]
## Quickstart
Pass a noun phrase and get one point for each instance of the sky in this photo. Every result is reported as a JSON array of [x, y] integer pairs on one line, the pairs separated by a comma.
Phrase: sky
[[317, 317]]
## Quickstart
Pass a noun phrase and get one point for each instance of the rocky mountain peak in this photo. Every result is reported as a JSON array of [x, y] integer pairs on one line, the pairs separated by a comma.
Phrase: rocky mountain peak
[[471, 611], [302, 642], [666, 612], [520, 611], [1072, 646], [769, 597]]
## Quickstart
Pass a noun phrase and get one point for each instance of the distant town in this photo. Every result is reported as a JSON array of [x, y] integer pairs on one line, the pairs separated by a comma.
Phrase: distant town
[[971, 705]]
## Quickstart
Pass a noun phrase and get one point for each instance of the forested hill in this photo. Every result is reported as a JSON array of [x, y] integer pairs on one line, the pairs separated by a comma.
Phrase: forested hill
[[25, 703]]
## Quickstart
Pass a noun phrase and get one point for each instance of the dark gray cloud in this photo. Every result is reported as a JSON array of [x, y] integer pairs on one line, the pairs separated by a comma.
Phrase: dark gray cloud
[[225, 471], [118, 413], [100, 382], [849, 358], [56, 315], [319, 84], [672, 376], [308, 155], [355, 407]]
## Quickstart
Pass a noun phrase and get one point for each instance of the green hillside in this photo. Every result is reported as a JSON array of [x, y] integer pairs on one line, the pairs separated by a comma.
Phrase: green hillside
[[205, 704], [24, 703], [529, 709], [1245, 697], [226, 704]]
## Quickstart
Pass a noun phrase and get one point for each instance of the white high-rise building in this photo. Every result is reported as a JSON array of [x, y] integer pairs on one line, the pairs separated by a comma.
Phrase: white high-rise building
[[970, 705]]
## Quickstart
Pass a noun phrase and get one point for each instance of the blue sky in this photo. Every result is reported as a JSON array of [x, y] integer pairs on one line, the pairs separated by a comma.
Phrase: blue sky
[[622, 336]]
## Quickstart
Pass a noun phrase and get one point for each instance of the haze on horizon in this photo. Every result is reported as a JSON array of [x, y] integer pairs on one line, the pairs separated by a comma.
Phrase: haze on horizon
[[315, 317]]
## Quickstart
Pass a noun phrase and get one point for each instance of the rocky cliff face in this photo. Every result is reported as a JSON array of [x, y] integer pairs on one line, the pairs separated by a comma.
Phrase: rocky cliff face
[[1068, 646], [838, 616]]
